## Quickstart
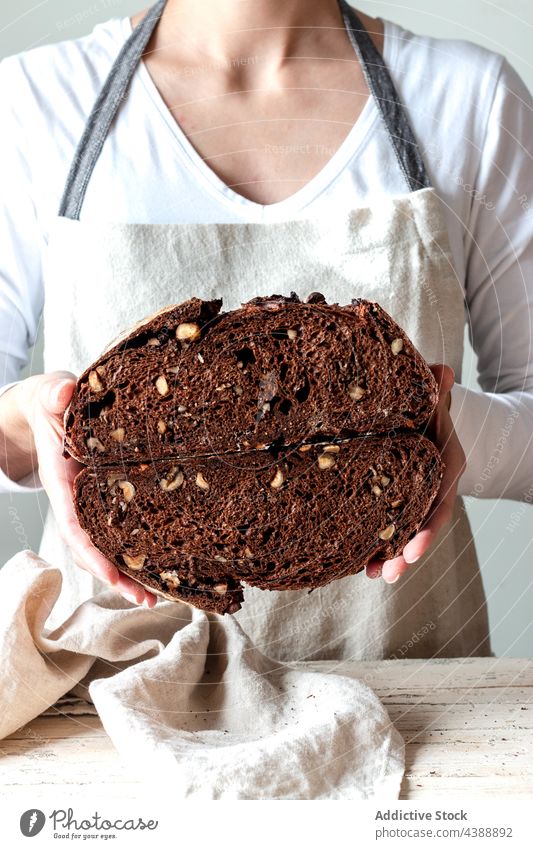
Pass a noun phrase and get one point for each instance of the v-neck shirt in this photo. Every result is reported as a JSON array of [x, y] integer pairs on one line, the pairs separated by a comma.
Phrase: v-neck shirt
[[235, 203]]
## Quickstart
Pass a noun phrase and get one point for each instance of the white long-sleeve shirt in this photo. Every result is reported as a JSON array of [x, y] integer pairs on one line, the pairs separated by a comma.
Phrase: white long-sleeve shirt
[[472, 116]]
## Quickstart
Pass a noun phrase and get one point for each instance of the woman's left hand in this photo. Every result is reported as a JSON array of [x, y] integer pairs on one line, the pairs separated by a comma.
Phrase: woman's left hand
[[442, 432]]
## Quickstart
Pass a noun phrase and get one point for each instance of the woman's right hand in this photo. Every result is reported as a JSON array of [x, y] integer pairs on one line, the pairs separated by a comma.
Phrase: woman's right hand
[[42, 401]]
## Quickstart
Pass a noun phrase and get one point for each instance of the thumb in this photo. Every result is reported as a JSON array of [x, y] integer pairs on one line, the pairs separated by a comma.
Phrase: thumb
[[445, 377], [448, 379], [56, 393]]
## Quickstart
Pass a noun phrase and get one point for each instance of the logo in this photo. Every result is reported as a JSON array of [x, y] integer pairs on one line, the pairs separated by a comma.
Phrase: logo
[[32, 822], [64, 823]]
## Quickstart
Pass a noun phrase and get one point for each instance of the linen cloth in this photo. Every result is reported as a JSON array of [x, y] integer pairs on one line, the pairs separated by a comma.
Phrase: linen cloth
[[186, 698]]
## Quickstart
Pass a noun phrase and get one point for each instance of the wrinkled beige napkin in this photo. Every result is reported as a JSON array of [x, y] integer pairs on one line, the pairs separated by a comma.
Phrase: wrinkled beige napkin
[[186, 697]]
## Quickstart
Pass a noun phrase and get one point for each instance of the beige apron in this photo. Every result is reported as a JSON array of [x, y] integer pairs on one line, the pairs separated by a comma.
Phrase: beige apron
[[102, 278]]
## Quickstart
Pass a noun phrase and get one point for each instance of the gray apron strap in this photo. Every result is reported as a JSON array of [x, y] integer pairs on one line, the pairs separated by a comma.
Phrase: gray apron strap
[[116, 86], [103, 112], [392, 110]]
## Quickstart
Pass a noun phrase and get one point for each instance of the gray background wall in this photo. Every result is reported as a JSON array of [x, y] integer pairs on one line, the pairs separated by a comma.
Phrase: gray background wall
[[503, 530]]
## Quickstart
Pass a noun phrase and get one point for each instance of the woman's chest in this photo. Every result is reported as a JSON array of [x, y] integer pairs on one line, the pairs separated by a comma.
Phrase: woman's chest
[[264, 138]]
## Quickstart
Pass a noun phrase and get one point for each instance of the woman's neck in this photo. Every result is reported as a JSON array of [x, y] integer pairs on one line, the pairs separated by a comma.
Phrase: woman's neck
[[222, 30], [230, 31], [265, 90]]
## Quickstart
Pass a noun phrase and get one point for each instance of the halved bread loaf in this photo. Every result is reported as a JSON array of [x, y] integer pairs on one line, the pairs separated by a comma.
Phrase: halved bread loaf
[[278, 445]]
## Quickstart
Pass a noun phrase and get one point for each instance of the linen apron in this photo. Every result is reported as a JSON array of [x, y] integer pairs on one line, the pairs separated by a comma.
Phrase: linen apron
[[102, 278]]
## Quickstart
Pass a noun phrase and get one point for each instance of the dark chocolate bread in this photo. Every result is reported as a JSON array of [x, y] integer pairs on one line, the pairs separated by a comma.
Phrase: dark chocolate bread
[[277, 445], [194, 529], [192, 380]]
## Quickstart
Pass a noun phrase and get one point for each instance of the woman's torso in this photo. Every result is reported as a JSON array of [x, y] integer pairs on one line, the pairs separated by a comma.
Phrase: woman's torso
[[153, 165]]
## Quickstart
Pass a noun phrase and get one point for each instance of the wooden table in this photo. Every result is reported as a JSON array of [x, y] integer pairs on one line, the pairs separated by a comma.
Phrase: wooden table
[[467, 724]]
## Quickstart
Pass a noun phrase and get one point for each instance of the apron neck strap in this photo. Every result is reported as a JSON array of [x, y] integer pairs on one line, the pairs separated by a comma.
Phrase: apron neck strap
[[116, 86], [391, 108], [103, 112]]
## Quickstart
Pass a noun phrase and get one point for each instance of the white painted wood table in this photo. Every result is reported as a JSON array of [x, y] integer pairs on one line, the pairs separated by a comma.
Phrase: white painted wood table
[[467, 724]]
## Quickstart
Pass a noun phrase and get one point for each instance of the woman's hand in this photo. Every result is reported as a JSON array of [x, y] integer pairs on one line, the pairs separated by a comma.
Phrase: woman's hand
[[442, 432], [41, 401]]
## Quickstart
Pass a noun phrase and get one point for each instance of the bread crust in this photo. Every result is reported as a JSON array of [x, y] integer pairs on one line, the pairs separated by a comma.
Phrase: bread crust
[[279, 446]]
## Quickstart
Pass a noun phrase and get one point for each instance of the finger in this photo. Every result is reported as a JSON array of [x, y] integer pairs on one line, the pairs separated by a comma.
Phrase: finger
[[416, 547], [131, 588], [127, 588], [59, 396], [440, 514], [445, 377], [87, 555], [57, 477], [91, 560], [420, 543], [440, 517], [137, 591], [55, 394], [393, 569], [151, 600], [100, 575]]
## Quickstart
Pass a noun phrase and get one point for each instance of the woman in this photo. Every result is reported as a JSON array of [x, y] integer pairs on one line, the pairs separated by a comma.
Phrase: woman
[[243, 148]]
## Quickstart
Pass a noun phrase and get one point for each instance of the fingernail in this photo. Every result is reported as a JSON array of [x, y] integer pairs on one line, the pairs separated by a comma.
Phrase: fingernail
[[411, 559], [397, 578]]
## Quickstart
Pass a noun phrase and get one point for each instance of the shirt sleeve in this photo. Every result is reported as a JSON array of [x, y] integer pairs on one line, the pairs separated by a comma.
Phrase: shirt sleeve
[[21, 243], [495, 425]]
